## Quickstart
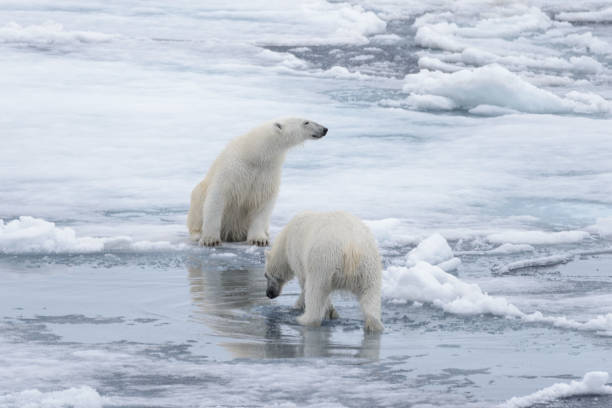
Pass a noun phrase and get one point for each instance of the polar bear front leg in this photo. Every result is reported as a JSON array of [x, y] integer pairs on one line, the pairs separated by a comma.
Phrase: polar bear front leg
[[316, 302], [258, 230], [300, 303], [212, 216]]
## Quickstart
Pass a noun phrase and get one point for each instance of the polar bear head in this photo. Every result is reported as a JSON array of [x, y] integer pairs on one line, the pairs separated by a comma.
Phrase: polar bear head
[[277, 273], [296, 130]]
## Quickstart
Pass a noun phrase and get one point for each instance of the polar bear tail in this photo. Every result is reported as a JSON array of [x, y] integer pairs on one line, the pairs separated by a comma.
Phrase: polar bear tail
[[351, 258]]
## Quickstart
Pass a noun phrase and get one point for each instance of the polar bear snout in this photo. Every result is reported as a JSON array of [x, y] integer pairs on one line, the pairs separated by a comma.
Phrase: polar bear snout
[[320, 133], [272, 293], [273, 288]]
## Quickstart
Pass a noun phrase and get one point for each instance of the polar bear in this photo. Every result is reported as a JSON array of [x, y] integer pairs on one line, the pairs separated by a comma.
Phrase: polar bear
[[327, 251], [235, 199]]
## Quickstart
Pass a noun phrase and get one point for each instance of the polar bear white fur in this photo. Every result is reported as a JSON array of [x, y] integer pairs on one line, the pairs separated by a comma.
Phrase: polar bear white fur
[[235, 199], [327, 252]]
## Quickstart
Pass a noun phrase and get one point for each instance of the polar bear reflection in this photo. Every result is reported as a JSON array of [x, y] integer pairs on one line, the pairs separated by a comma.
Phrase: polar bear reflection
[[230, 302]]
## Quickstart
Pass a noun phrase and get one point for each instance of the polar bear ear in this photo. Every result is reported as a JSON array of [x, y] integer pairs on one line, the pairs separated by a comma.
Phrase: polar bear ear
[[278, 125]]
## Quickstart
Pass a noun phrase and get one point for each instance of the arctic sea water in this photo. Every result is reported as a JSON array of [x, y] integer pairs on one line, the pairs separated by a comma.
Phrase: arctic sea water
[[474, 137]]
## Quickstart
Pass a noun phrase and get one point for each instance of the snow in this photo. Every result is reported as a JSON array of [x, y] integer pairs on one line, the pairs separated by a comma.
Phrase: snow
[[593, 383]]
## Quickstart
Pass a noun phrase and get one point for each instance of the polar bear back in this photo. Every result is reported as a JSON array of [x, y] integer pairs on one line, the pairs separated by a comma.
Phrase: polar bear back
[[335, 243]]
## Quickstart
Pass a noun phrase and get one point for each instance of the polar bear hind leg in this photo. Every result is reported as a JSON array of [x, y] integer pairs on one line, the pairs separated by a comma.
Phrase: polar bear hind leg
[[370, 306], [194, 216]]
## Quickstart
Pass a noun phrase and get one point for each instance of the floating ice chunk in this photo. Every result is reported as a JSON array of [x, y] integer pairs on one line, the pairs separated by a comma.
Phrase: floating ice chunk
[[350, 23], [534, 262], [48, 33], [495, 85], [421, 281], [436, 64], [283, 59], [599, 16], [434, 31], [439, 36], [432, 250], [34, 235], [343, 73], [602, 227], [525, 20], [430, 284], [537, 237], [76, 397], [435, 251], [427, 283], [422, 102], [593, 383]]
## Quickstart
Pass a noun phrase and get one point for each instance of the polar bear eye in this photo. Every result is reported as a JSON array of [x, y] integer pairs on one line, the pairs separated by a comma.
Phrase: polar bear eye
[[306, 123]]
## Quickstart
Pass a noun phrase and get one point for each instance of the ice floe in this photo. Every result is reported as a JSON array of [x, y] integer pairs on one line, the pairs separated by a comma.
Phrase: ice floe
[[422, 282], [496, 86], [593, 383], [28, 235], [534, 262]]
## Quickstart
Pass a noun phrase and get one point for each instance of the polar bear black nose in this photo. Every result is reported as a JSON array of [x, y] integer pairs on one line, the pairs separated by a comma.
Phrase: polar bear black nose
[[271, 293], [324, 131]]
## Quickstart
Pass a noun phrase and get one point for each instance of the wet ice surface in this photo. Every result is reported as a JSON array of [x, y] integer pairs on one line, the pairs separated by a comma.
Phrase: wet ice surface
[[188, 330], [489, 124]]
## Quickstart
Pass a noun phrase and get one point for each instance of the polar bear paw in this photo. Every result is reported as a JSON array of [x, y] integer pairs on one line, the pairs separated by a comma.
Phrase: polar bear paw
[[305, 321], [209, 241], [332, 313], [373, 325], [259, 241]]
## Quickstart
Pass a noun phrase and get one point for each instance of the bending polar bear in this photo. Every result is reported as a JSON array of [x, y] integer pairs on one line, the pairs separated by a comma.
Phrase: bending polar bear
[[235, 199], [327, 252]]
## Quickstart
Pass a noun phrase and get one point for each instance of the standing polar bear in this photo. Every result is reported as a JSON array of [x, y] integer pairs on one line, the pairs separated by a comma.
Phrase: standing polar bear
[[327, 252], [236, 198]]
